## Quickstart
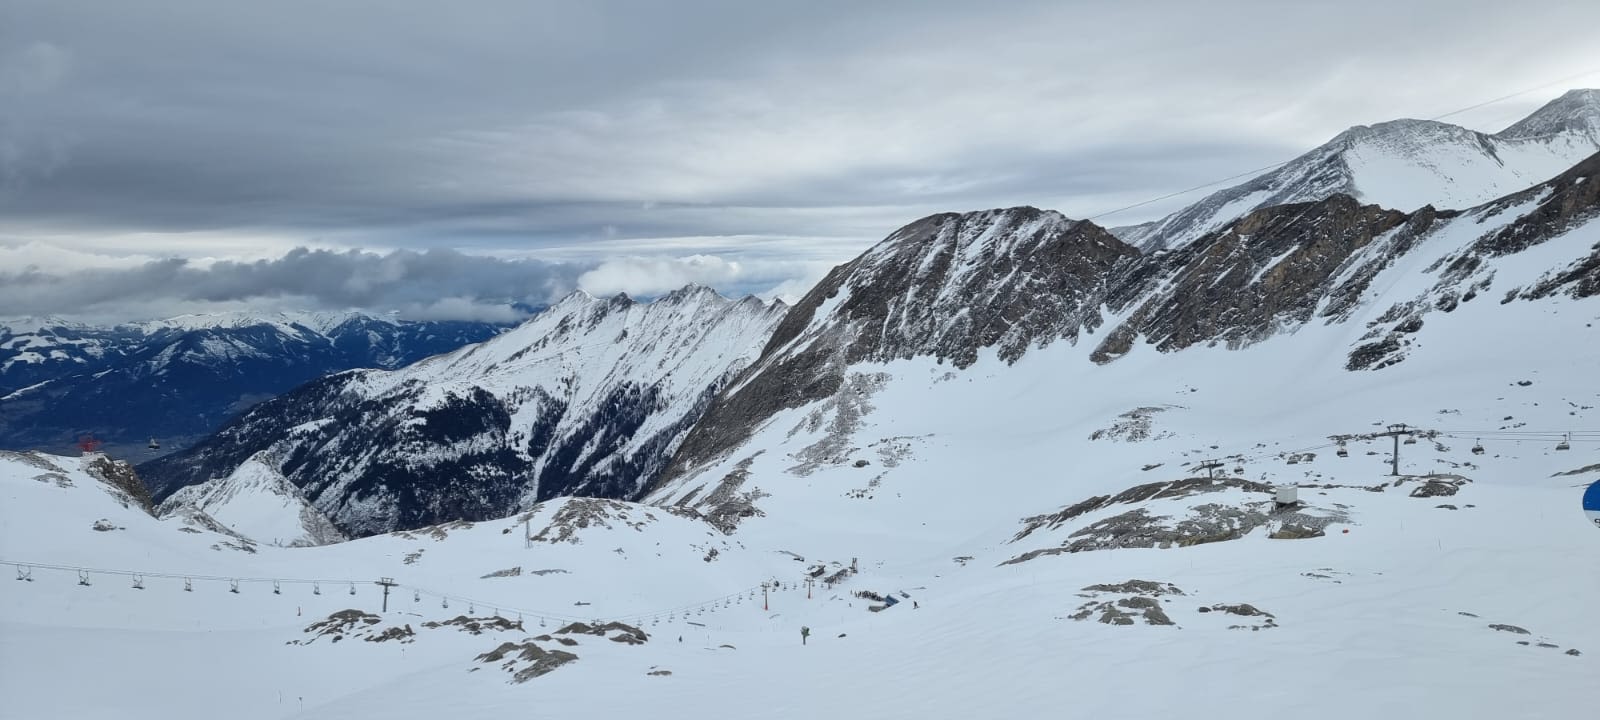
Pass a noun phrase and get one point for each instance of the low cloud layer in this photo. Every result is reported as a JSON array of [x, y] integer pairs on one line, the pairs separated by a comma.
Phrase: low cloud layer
[[426, 285], [432, 283]]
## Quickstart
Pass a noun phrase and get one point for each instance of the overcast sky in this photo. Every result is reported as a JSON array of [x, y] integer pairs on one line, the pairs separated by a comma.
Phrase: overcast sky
[[161, 156]]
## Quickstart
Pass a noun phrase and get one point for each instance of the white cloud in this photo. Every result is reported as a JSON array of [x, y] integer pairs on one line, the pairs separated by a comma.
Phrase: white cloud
[[46, 256], [646, 276]]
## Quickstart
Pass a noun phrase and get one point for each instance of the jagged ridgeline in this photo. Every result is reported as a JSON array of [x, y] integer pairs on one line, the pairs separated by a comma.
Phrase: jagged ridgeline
[[953, 286], [589, 398], [617, 399]]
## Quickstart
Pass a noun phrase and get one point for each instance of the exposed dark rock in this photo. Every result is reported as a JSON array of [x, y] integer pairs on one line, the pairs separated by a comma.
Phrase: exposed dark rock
[[1243, 609], [477, 625], [947, 286], [577, 514], [624, 633], [1435, 488], [536, 660], [1244, 283], [1508, 628], [1187, 487], [1142, 587], [1140, 602], [1296, 532], [353, 623], [121, 475]]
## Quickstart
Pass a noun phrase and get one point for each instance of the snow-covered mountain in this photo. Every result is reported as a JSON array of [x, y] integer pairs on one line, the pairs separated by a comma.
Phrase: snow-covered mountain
[[589, 398], [1379, 274], [1401, 165], [1001, 464], [179, 379], [257, 502]]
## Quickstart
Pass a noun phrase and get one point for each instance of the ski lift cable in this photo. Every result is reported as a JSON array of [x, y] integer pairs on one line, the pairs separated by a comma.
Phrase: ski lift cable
[[233, 581], [177, 576]]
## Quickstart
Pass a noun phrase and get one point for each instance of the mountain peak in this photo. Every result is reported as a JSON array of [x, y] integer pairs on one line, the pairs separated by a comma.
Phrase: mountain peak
[[691, 292], [1576, 111]]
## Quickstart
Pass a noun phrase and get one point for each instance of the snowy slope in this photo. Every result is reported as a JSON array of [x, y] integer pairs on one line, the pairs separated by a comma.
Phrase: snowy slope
[[1040, 507], [588, 398], [1380, 608], [259, 503], [1402, 165]]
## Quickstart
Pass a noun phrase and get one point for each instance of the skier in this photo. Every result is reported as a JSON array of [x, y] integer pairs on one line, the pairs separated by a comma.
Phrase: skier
[[805, 632]]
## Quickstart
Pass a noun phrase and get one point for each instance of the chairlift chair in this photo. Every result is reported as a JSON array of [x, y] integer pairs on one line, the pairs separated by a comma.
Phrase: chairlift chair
[[1342, 451], [154, 445], [1564, 445], [1477, 447], [1411, 440]]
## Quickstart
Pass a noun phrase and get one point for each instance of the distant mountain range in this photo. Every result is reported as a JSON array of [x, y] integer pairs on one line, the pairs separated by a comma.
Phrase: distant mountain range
[[177, 380]]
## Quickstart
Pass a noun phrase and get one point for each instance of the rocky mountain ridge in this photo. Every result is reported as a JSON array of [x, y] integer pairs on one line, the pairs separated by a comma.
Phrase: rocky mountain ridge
[[588, 398], [1401, 165]]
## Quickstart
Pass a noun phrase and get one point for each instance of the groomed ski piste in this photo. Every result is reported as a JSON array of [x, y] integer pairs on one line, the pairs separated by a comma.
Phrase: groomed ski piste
[[1415, 610]]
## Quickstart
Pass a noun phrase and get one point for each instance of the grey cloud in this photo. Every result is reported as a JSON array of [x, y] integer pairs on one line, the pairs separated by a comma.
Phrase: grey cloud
[[778, 132], [433, 283]]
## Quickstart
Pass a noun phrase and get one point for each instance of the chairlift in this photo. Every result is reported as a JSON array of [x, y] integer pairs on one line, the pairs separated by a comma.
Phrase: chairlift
[[352, 588], [1342, 451], [1564, 444], [1410, 440], [154, 444], [138, 582], [233, 586], [1477, 447], [275, 589], [316, 588], [416, 596], [444, 602], [83, 578], [188, 585]]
